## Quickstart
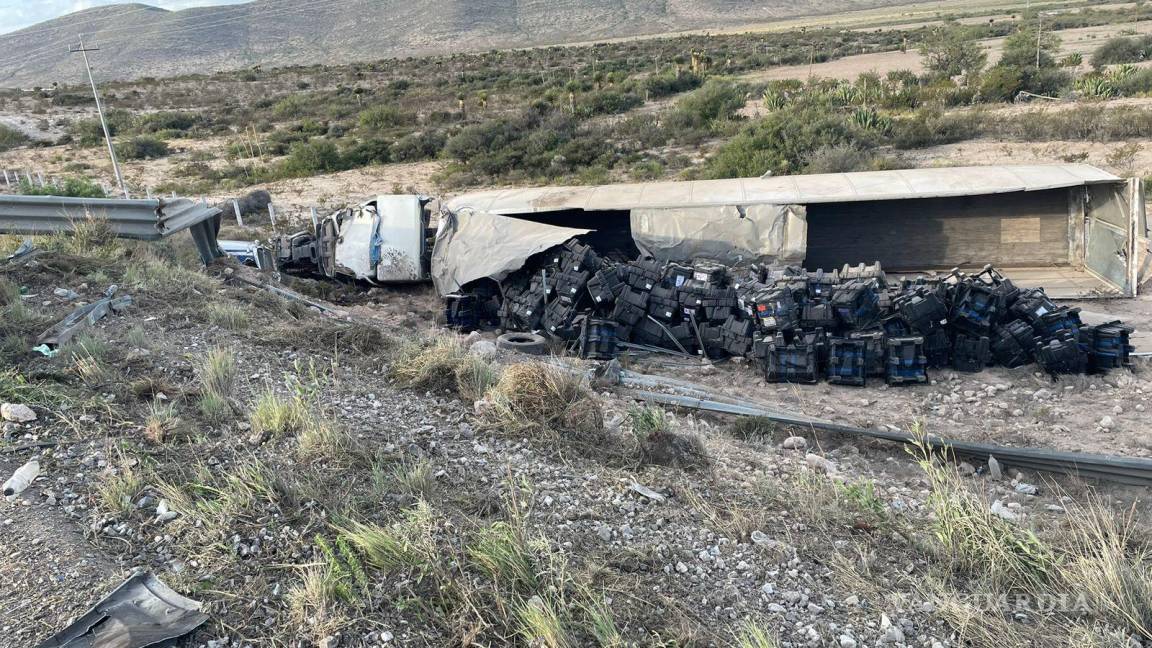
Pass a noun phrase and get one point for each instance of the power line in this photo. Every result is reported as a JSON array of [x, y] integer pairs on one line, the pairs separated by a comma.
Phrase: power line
[[33, 30]]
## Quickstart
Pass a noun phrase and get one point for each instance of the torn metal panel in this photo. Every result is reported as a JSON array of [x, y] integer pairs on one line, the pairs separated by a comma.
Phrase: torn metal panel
[[83, 317], [729, 235], [147, 220], [472, 245], [141, 612]]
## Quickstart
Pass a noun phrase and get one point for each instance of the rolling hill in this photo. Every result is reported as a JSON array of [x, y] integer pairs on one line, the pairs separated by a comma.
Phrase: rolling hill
[[138, 40]]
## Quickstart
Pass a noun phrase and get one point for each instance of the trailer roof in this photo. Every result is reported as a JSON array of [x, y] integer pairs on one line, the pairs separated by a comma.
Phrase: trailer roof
[[789, 190]]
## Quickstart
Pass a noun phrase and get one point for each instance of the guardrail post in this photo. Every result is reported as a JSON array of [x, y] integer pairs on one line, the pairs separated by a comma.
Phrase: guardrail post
[[236, 209], [315, 221], [272, 215], [7, 182]]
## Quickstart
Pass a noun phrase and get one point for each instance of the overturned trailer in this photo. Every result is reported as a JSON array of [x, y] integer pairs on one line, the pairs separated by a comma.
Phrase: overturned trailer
[[1076, 230]]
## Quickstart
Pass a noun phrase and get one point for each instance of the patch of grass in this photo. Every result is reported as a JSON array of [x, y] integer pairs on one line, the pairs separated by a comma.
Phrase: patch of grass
[[539, 624], [119, 487], [974, 541], [599, 622], [754, 427], [429, 365], [536, 399], [503, 552], [150, 272], [320, 438], [160, 423], [413, 478], [474, 377], [216, 371], [754, 635], [91, 237], [660, 446], [314, 603], [213, 505], [15, 388], [228, 316], [274, 415], [408, 544], [1103, 559]]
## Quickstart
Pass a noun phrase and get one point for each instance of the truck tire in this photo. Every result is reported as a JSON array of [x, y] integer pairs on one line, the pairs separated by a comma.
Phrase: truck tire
[[529, 343]]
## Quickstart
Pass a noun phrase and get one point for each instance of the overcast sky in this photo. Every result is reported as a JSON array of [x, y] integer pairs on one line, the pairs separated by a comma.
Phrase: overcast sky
[[18, 14]]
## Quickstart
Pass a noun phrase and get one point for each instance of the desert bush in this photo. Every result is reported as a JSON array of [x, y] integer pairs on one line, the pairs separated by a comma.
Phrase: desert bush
[[663, 85], [428, 364], [779, 143], [847, 158], [414, 147], [1002, 83], [659, 445], [10, 138], [1122, 50], [607, 102], [312, 157], [380, 118], [72, 186], [534, 398], [142, 147], [367, 150], [930, 127]]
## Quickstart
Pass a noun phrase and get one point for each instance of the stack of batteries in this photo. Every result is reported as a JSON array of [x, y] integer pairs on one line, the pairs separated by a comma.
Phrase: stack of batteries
[[845, 326]]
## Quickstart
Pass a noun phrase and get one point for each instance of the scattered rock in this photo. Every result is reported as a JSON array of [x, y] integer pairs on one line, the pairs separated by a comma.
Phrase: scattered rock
[[794, 443], [966, 469], [17, 413], [1106, 423], [646, 492], [820, 464], [483, 349], [998, 509], [760, 538]]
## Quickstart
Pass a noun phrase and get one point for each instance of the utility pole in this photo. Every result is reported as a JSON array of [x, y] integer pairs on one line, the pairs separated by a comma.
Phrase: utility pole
[[100, 110], [1039, 31]]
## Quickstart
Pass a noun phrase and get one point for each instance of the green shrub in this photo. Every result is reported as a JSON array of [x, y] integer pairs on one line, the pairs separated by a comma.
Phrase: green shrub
[[418, 146], [663, 85], [1002, 83], [142, 147], [779, 143], [607, 102], [314, 156], [384, 117], [10, 138], [929, 127], [71, 187], [1122, 50], [368, 150]]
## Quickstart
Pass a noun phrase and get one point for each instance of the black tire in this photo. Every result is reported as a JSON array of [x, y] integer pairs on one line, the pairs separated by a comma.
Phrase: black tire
[[529, 343]]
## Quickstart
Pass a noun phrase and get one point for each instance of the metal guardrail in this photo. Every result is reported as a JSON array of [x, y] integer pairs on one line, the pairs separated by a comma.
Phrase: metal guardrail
[[147, 220]]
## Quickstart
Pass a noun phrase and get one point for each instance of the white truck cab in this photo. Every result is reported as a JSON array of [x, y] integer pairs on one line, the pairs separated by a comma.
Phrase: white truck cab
[[383, 240]]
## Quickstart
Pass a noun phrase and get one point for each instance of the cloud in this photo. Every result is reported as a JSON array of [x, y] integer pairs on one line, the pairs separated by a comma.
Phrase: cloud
[[18, 14]]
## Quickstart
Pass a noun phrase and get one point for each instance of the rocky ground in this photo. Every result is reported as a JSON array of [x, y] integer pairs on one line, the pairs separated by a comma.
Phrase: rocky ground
[[611, 525]]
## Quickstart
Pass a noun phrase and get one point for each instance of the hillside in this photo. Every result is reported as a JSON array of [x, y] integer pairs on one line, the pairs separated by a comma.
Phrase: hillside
[[137, 40]]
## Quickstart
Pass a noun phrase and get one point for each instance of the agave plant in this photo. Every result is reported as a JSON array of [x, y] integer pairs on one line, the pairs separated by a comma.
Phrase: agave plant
[[775, 99], [1121, 72], [1098, 87], [868, 119]]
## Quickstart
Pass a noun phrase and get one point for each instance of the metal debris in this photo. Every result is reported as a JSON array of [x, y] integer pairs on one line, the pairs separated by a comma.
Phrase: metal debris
[[140, 612], [83, 317]]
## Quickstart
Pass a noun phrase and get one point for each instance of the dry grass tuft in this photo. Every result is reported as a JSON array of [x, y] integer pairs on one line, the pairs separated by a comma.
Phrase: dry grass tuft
[[534, 398], [216, 372], [274, 415], [474, 377], [429, 365], [228, 316], [120, 486], [161, 422]]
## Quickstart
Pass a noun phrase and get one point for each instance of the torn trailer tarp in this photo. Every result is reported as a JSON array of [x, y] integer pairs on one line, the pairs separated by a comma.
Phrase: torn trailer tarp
[[471, 246], [730, 235]]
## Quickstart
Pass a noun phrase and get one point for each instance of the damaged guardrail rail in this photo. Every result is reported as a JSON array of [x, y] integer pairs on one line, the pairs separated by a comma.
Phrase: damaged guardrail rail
[[1125, 470], [146, 220]]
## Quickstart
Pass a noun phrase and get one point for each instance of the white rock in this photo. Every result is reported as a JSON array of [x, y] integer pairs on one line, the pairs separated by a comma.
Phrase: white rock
[[760, 538], [1107, 422], [847, 642], [646, 492], [17, 413], [682, 568], [483, 349], [820, 464], [1002, 511], [794, 443]]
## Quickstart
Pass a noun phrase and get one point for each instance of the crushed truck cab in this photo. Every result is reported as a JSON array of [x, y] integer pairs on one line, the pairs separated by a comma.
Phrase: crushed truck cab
[[383, 240]]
